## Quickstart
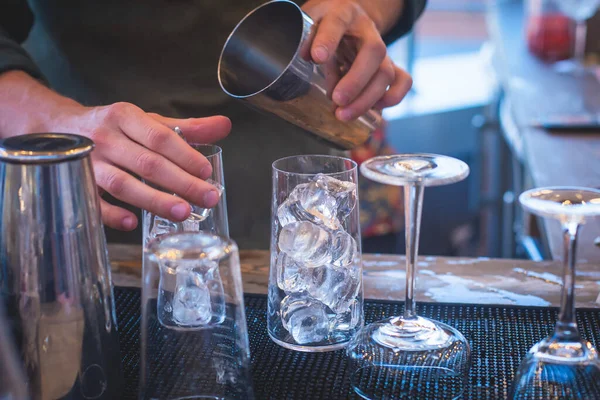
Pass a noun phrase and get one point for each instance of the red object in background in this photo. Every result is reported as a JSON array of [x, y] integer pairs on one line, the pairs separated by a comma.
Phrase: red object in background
[[550, 36]]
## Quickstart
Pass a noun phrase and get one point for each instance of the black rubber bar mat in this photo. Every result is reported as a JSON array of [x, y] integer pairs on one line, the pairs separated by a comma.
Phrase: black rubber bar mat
[[500, 336]]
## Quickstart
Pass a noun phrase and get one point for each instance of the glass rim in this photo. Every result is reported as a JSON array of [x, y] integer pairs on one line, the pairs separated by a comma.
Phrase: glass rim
[[555, 210], [216, 150], [315, 156], [558, 187], [252, 14], [427, 179], [153, 246]]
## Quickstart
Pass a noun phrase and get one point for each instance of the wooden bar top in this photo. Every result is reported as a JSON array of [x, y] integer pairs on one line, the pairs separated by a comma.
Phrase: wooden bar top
[[535, 90], [440, 279]]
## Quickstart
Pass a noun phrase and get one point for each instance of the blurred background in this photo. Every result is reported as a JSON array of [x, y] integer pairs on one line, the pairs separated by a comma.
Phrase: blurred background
[[486, 75]]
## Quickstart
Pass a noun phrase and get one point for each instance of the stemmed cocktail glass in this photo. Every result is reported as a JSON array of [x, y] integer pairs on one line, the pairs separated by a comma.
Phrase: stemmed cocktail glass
[[410, 356], [562, 366], [579, 11]]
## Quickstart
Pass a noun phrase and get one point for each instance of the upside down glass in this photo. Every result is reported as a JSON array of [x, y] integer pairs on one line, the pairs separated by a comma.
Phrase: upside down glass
[[562, 366], [213, 220], [580, 11], [194, 335], [315, 282], [408, 356]]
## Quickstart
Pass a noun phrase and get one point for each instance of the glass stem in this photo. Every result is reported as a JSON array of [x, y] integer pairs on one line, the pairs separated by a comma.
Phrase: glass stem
[[566, 327], [580, 39], [413, 204]]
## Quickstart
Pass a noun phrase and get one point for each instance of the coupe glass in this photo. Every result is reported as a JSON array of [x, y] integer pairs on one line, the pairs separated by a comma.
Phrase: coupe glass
[[410, 357], [562, 366], [580, 11], [194, 334], [213, 220]]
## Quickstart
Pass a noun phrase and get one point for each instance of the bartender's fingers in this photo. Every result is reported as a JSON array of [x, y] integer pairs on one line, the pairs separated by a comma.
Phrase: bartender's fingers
[[148, 132], [117, 217], [198, 130], [157, 169], [377, 93], [334, 21], [126, 188], [374, 91], [372, 52], [337, 19], [398, 89]]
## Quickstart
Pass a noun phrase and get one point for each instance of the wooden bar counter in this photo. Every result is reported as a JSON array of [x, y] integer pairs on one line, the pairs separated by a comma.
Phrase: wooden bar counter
[[440, 279]]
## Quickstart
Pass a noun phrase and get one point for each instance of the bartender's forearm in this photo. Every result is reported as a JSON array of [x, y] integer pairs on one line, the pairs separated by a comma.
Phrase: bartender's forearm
[[28, 106]]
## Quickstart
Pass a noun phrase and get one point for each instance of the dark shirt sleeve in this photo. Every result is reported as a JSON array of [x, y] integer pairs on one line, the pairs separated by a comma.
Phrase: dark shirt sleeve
[[410, 14], [16, 20]]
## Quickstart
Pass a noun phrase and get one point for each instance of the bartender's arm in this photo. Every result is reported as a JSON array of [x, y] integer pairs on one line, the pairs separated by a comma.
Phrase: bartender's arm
[[373, 79], [128, 140], [131, 141]]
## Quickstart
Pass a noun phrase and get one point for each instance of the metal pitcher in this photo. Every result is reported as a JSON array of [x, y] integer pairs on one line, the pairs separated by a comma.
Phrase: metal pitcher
[[54, 271], [266, 63]]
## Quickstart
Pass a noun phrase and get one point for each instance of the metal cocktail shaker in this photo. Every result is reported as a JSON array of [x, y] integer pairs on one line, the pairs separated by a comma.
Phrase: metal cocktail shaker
[[54, 271], [266, 63]]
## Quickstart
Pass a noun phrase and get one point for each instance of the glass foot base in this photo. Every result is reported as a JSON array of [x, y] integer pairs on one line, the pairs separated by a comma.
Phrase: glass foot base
[[199, 398], [308, 348], [427, 363], [540, 379], [558, 369], [552, 351], [414, 334], [405, 382]]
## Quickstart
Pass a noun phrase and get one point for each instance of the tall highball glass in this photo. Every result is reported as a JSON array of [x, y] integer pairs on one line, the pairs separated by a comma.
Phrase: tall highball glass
[[315, 284]]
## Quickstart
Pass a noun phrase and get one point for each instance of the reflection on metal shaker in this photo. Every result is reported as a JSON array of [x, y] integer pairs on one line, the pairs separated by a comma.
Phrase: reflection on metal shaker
[[54, 270]]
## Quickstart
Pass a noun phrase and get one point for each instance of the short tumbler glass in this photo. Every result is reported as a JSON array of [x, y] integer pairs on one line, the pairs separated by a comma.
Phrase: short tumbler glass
[[194, 334], [315, 282], [213, 220]]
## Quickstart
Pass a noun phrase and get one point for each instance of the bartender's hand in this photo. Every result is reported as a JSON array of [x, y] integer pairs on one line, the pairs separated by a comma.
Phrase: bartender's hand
[[373, 80], [128, 141]]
